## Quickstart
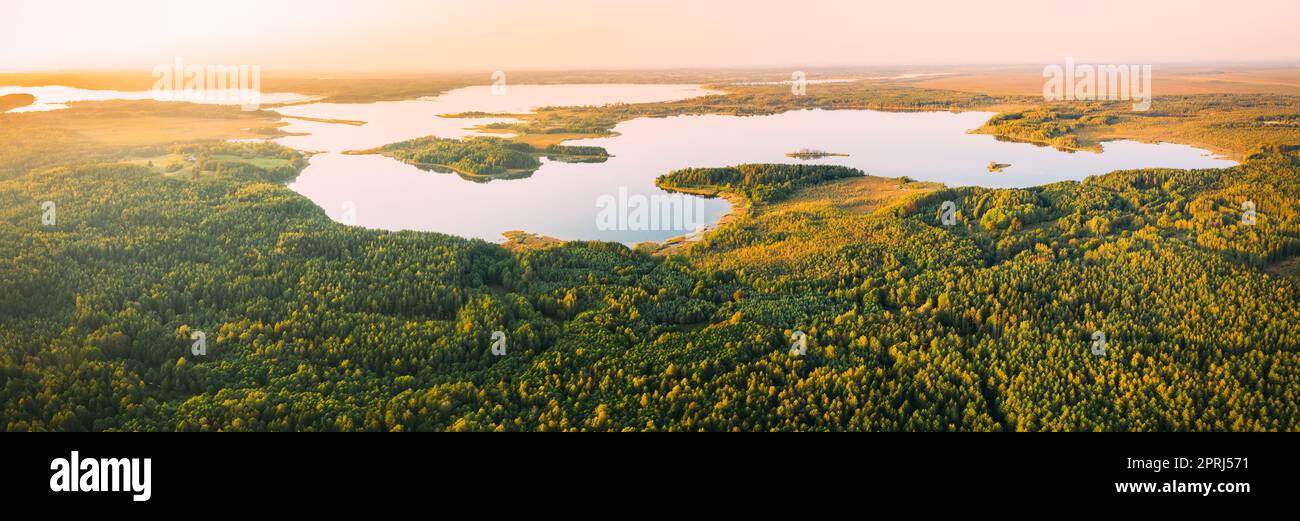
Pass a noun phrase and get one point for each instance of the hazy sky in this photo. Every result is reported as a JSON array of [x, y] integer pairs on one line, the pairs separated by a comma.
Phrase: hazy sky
[[551, 34]]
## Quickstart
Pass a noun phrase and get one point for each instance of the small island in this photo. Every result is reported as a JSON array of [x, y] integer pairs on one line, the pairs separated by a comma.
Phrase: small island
[[808, 153], [484, 158], [352, 122], [519, 240], [995, 167]]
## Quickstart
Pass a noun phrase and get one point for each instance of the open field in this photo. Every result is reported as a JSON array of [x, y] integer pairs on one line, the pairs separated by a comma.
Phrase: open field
[[1231, 125], [1166, 81], [107, 130], [180, 163], [13, 101]]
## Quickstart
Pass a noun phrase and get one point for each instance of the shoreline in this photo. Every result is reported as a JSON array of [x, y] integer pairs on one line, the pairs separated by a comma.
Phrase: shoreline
[[740, 207]]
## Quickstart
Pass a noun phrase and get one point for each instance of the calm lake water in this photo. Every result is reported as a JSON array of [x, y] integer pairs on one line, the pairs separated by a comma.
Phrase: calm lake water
[[55, 97], [393, 121], [560, 199]]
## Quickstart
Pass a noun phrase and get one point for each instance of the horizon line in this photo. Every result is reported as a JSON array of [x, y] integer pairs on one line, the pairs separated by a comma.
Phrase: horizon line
[[692, 68]]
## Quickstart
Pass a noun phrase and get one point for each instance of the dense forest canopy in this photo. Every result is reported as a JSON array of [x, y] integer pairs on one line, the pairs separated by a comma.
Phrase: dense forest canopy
[[911, 323], [485, 156], [758, 183]]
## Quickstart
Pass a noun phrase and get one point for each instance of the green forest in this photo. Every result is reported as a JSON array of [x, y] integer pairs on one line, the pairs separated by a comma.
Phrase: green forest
[[485, 156], [757, 183], [113, 272]]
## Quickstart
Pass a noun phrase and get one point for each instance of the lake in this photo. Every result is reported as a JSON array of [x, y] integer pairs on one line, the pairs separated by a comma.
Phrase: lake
[[563, 200], [393, 121], [560, 199], [56, 97]]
